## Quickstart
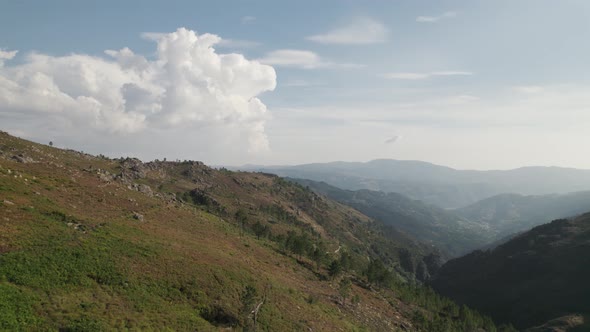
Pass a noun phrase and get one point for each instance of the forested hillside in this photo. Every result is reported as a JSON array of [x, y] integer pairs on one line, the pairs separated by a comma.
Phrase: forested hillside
[[539, 275]]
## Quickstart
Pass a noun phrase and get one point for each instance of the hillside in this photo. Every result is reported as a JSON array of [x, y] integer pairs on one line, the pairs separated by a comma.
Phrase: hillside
[[91, 243], [538, 276], [439, 185], [430, 224], [511, 213]]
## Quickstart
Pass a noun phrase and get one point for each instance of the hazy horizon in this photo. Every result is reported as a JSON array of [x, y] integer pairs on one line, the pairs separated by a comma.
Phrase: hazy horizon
[[465, 84]]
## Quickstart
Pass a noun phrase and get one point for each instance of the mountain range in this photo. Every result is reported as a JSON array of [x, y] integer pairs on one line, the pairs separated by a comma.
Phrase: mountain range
[[90, 243], [456, 232], [439, 185], [512, 213], [452, 234]]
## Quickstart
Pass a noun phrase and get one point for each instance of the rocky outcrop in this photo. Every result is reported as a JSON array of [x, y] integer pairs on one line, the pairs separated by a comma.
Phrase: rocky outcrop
[[21, 158], [142, 188]]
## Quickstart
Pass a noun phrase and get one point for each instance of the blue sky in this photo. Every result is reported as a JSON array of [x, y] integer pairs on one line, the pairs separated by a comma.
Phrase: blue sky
[[469, 84]]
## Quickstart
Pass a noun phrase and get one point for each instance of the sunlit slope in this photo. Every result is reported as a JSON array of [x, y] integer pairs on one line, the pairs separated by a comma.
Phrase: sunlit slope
[[90, 243]]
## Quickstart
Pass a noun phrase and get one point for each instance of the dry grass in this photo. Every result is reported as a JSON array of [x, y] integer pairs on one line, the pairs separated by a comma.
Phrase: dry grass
[[71, 248]]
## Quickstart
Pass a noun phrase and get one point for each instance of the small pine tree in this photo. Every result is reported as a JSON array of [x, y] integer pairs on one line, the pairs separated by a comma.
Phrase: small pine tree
[[241, 217], [260, 230], [335, 268], [344, 289]]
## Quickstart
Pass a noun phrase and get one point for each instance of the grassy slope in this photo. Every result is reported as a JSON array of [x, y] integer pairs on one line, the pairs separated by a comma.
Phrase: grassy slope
[[75, 254]]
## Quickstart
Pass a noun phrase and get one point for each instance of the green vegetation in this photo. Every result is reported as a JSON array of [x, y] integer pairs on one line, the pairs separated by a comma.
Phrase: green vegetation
[[452, 234], [93, 244], [537, 276]]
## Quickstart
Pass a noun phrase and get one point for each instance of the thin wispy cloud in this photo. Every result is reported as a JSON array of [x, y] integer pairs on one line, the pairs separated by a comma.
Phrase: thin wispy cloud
[[302, 59], [247, 19], [528, 89], [422, 76], [298, 84], [438, 18], [360, 31], [392, 139], [153, 36]]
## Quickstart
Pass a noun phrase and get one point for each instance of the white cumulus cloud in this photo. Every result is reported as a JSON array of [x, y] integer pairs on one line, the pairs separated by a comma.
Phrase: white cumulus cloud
[[362, 30], [187, 93], [6, 55]]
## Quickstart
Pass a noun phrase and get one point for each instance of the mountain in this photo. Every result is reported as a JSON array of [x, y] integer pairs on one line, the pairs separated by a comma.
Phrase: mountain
[[452, 234], [537, 276], [89, 243], [443, 186], [511, 213]]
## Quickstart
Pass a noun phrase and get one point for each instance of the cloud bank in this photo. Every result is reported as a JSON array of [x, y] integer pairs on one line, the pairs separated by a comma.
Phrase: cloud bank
[[185, 93]]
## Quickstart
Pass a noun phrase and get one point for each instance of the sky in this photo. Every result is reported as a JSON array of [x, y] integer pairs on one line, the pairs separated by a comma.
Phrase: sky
[[470, 84]]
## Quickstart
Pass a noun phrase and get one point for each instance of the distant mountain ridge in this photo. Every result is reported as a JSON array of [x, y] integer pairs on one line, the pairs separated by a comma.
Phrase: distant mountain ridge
[[511, 213], [484, 224], [439, 185]]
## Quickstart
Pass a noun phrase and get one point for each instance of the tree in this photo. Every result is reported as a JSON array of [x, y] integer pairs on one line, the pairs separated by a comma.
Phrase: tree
[[241, 217], [377, 273], [260, 230], [301, 245], [335, 268], [318, 254], [345, 261], [344, 289]]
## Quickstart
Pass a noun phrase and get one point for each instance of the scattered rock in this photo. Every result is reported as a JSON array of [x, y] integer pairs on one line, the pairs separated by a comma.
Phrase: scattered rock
[[137, 216], [142, 188], [105, 176], [22, 158]]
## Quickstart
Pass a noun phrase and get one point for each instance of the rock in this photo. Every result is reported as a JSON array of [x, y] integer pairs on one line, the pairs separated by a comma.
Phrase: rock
[[132, 168], [22, 158], [145, 189], [137, 216], [105, 176], [142, 188], [7, 202]]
